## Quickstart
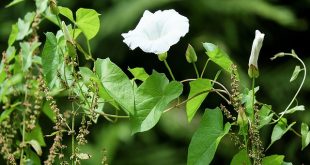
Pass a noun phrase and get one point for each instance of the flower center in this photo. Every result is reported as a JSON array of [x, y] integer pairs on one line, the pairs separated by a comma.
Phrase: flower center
[[154, 31]]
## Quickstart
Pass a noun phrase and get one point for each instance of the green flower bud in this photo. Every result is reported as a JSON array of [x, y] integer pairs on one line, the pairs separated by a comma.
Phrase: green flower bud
[[163, 56], [190, 54], [53, 7]]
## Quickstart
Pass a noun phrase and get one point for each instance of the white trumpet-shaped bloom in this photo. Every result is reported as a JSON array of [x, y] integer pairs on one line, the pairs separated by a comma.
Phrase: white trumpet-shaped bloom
[[256, 46], [157, 32]]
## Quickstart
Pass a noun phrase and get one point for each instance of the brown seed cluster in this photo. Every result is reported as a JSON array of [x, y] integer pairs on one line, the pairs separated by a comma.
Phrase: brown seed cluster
[[257, 148], [7, 133], [57, 146], [83, 131]]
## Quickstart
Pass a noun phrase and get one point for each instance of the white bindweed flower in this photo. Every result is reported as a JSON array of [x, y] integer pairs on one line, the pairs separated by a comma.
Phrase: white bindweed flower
[[157, 32], [257, 45]]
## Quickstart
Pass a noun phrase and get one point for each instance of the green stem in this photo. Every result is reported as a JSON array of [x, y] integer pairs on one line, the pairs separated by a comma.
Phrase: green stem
[[23, 140], [198, 94], [204, 68], [89, 49], [196, 70], [253, 92], [300, 86], [168, 67], [24, 130], [72, 134], [58, 20]]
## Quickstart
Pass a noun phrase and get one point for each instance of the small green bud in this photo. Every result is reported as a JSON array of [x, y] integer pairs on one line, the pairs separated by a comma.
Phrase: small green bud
[[53, 7], [163, 56], [190, 54]]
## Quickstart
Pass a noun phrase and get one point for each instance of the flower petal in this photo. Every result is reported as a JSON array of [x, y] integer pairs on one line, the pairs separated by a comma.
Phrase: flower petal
[[256, 46], [157, 32]]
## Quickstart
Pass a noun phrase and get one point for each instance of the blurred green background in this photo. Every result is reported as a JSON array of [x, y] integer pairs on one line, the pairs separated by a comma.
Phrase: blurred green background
[[227, 23]]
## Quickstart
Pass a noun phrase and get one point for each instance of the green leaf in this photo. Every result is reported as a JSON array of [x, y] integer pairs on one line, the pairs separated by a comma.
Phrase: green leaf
[[265, 115], [241, 158], [139, 73], [6, 113], [27, 50], [151, 99], [218, 56], [190, 54], [7, 85], [116, 83], [37, 135], [295, 73], [90, 77], [273, 160], [32, 158], [86, 55], [76, 32], [52, 58], [10, 53], [36, 146], [49, 112], [294, 109], [247, 99], [87, 74], [66, 12], [206, 139], [51, 17], [199, 86], [41, 5], [13, 35], [14, 2], [305, 135], [279, 130], [88, 21], [24, 26]]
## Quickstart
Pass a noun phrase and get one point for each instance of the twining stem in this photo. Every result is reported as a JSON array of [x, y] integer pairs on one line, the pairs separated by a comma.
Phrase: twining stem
[[168, 67], [291, 129], [198, 94], [213, 81], [196, 70], [300, 86], [204, 68]]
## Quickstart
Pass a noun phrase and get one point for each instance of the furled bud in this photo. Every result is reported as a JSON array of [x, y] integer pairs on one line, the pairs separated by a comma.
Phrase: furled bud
[[256, 46]]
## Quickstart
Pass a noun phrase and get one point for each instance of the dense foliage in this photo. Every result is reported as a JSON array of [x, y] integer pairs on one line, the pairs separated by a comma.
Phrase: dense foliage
[[44, 82]]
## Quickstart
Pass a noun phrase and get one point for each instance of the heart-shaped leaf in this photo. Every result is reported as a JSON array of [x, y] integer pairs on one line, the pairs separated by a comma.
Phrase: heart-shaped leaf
[[206, 139], [151, 99], [88, 21], [116, 84], [196, 87]]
